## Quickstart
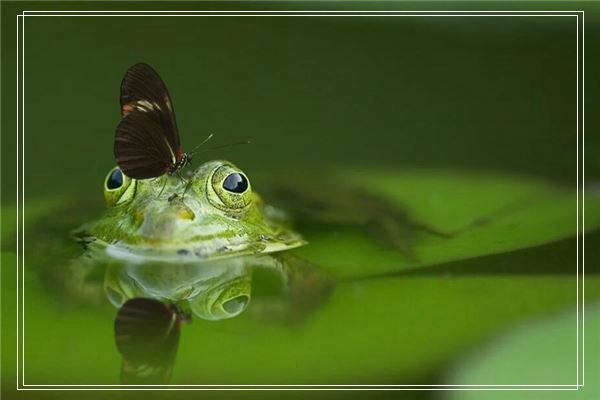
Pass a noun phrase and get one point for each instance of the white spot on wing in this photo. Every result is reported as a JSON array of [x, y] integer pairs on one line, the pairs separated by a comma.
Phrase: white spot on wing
[[173, 158], [145, 106]]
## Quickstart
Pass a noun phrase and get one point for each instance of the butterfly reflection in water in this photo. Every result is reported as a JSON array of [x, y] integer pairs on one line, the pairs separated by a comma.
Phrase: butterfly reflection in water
[[147, 336]]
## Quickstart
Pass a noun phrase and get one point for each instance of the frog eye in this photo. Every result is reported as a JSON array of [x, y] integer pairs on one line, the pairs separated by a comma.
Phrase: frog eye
[[231, 189], [235, 183], [114, 179], [118, 187]]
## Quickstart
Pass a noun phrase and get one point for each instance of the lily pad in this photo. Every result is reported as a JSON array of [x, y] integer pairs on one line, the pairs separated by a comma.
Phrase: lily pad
[[539, 352], [481, 213]]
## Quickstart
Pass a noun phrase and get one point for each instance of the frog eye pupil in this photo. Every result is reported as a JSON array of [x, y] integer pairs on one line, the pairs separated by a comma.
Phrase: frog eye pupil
[[115, 180], [235, 183]]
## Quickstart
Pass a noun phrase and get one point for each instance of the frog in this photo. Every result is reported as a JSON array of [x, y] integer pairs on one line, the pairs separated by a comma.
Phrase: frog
[[175, 249], [211, 214], [165, 225], [195, 242]]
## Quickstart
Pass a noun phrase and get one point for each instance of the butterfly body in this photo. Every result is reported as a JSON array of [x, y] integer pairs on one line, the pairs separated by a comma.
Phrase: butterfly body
[[181, 160]]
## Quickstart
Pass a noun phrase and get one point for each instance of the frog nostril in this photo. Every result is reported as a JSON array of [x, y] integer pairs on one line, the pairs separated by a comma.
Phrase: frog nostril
[[236, 305]]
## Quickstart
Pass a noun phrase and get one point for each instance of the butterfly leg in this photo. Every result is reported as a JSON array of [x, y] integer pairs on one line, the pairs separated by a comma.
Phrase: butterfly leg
[[186, 181], [162, 188], [187, 186]]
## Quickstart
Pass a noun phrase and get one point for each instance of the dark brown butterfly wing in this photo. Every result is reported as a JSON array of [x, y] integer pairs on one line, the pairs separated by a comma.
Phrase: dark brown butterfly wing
[[141, 149], [147, 336], [143, 90]]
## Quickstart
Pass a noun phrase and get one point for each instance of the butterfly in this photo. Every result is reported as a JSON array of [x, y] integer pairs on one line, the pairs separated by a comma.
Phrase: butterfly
[[147, 143]]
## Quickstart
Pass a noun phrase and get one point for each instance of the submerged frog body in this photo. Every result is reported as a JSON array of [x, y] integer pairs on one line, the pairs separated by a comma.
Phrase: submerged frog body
[[213, 290], [212, 213], [222, 288]]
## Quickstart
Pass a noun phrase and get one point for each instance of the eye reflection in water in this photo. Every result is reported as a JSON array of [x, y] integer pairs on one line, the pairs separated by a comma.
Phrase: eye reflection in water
[[155, 300]]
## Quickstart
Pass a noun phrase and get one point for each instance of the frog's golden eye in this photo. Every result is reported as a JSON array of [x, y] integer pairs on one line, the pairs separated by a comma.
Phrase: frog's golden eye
[[118, 187], [231, 189]]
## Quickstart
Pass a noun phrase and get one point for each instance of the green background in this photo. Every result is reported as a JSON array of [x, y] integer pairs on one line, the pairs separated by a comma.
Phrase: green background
[[488, 95]]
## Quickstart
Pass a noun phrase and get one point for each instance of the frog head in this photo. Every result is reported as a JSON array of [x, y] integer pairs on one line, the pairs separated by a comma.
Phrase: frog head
[[211, 213]]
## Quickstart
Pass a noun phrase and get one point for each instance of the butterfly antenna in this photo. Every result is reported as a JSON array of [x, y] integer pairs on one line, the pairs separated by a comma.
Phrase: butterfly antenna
[[227, 145], [195, 149]]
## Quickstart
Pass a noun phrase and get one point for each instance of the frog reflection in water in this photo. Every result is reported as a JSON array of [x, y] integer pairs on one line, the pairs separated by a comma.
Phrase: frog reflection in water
[[155, 298]]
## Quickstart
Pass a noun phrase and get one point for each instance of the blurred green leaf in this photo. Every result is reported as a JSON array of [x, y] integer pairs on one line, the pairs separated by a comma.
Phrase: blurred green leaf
[[490, 214], [539, 352], [35, 210]]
